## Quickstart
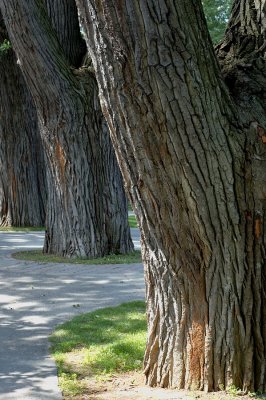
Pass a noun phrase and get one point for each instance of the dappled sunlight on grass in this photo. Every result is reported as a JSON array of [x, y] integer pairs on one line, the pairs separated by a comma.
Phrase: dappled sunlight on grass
[[21, 229], [99, 344], [125, 354], [132, 221], [38, 256]]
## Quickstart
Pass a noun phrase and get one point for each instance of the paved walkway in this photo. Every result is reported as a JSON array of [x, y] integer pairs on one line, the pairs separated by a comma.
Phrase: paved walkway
[[34, 298]]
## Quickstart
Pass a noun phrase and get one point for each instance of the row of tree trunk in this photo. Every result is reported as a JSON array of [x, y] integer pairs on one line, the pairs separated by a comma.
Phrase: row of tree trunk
[[52, 113], [22, 166], [189, 131]]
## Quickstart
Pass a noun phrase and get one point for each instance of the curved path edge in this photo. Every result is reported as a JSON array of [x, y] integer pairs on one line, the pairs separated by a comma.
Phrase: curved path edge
[[35, 297]]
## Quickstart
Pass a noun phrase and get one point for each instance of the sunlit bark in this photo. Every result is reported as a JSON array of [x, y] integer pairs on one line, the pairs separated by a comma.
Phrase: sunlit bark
[[194, 163]]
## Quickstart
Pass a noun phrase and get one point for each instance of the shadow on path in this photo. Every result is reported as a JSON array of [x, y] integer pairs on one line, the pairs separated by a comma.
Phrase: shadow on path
[[34, 298]]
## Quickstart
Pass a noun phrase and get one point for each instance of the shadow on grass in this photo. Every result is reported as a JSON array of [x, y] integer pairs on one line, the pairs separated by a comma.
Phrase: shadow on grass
[[38, 256], [107, 325], [101, 343]]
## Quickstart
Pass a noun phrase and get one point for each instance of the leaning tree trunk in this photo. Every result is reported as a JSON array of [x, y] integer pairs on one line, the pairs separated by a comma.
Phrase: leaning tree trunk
[[71, 128], [194, 166], [22, 167], [112, 204]]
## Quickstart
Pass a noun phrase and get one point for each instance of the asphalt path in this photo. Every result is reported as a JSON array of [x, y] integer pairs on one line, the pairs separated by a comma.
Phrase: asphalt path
[[35, 297]]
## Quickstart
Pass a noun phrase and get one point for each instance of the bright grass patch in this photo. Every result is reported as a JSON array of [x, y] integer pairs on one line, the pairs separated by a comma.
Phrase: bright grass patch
[[38, 256], [21, 229], [99, 344], [132, 221]]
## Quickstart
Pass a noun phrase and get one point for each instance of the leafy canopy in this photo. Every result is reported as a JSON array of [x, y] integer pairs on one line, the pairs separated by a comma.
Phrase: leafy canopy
[[217, 13]]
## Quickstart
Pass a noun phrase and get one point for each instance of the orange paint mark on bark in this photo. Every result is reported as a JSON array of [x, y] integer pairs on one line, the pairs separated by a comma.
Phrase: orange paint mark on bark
[[197, 337], [258, 223], [60, 157], [261, 132]]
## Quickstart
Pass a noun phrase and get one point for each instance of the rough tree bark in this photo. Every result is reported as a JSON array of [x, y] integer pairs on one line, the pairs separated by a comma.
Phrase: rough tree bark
[[194, 163], [22, 167], [72, 131]]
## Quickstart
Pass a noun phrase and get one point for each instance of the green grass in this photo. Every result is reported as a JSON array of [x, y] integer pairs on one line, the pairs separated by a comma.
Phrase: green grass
[[233, 391], [129, 206], [21, 228], [37, 255], [132, 221], [99, 344]]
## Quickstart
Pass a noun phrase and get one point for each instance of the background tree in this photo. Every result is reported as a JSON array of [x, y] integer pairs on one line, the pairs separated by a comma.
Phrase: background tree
[[192, 150], [22, 167], [79, 222]]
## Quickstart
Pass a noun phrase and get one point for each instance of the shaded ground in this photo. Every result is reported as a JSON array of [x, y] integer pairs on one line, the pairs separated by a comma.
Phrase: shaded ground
[[34, 298]]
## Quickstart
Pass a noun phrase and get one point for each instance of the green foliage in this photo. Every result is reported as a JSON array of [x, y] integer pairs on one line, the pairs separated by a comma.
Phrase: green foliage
[[217, 13], [5, 46], [99, 344], [38, 256]]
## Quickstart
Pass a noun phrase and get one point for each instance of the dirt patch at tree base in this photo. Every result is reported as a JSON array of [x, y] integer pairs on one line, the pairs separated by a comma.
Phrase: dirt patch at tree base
[[131, 387]]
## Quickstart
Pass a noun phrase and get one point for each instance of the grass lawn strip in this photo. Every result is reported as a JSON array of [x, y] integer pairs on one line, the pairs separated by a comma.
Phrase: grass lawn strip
[[98, 345], [27, 229], [132, 221], [38, 256]]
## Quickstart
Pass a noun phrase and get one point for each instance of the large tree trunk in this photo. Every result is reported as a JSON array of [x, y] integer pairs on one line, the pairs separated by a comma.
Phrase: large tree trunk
[[194, 167], [22, 167], [72, 132], [81, 202]]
